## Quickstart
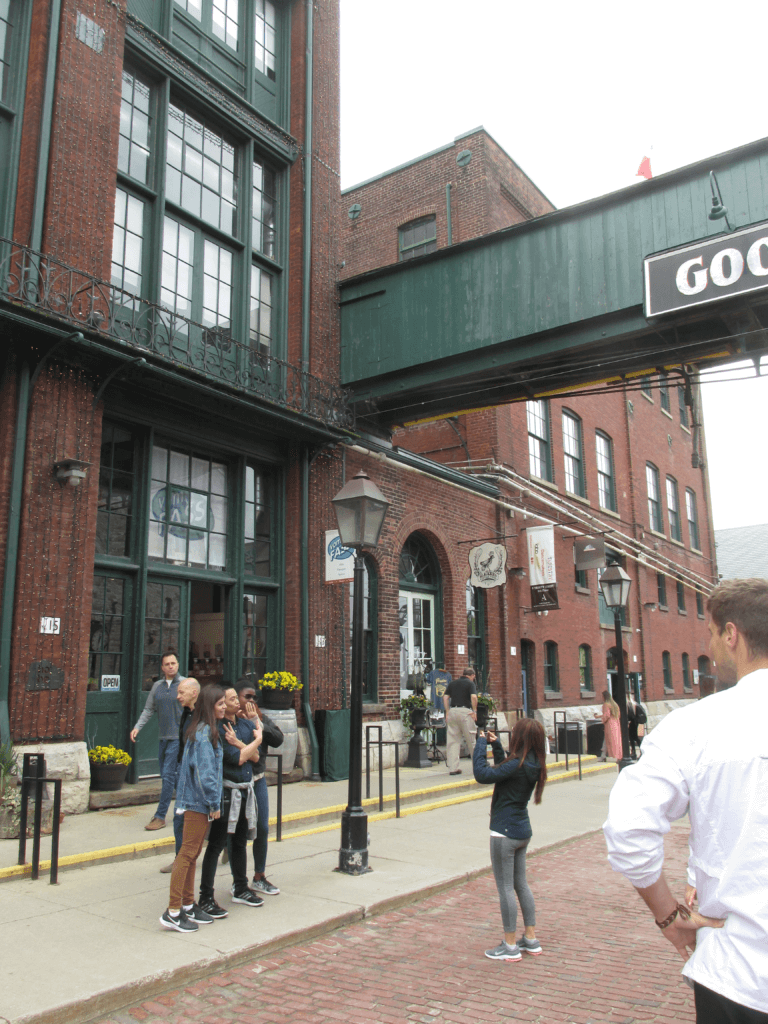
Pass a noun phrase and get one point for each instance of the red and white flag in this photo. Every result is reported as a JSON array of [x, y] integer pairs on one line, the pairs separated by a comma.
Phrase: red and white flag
[[644, 170]]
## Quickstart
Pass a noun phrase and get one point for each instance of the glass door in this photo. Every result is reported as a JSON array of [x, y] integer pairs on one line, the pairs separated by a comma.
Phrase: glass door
[[166, 628], [107, 704], [417, 637]]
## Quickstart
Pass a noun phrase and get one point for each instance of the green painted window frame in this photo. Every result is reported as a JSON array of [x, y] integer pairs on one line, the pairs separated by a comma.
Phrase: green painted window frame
[[12, 109], [606, 477], [653, 486], [476, 654], [573, 454], [551, 667], [681, 609], [683, 407], [692, 514], [673, 509], [661, 589], [409, 245], [699, 604], [666, 668], [586, 682], [687, 677], [537, 413], [664, 392]]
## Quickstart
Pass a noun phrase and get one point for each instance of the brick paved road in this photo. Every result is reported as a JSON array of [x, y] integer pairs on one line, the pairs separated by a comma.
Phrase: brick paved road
[[603, 961]]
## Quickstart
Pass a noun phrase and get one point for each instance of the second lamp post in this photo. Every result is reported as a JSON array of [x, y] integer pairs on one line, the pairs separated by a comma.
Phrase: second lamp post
[[615, 584], [360, 509]]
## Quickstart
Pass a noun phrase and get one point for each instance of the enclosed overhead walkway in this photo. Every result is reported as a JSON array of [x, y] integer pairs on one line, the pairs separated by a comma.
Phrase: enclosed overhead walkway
[[559, 303]]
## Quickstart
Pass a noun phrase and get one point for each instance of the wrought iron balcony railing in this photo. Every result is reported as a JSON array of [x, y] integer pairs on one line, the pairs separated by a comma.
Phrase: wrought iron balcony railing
[[46, 285]]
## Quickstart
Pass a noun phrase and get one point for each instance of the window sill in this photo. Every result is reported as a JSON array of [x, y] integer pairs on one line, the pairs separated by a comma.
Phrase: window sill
[[582, 590], [681, 611], [552, 695], [587, 694], [663, 607], [696, 551], [686, 429], [610, 512], [647, 397], [624, 629], [374, 709], [578, 497], [668, 414], [544, 483], [677, 543], [655, 533]]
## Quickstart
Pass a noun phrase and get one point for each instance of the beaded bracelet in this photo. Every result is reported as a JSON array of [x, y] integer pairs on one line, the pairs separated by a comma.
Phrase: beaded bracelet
[[680, 909]]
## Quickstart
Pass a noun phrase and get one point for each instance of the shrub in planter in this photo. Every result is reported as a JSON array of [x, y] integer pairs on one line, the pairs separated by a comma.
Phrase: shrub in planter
[[415, 705], [486, 706]]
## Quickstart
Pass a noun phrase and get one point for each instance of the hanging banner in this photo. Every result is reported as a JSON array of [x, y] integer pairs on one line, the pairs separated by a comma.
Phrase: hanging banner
[[541, 566], [339, 561], [589, 552], [487, 564]]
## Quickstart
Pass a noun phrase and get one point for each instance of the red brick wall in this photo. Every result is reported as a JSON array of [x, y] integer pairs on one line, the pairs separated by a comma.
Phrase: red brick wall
[[56, 550], [477, 203]]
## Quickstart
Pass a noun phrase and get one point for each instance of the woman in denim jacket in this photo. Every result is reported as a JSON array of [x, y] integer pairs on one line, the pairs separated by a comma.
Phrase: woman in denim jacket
[[198, 798], [516, 778]]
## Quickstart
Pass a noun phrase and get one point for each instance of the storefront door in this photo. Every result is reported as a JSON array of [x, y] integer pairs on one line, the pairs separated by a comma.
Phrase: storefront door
[[108, 706], [417, 637]]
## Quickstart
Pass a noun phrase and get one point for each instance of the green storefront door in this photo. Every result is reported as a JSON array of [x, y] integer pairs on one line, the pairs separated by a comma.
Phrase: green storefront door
[[108, 704], [166, 627]]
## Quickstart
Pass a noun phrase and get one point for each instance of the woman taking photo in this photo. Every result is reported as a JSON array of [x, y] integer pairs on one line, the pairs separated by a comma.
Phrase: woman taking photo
[[612, 724], [198, 798], [515, 778]]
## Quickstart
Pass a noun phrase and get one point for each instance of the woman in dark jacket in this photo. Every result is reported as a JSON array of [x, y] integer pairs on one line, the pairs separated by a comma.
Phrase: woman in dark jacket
[[515, 779]]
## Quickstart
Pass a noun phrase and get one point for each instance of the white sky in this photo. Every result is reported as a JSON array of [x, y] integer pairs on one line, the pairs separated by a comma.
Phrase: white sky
[[577, 94]]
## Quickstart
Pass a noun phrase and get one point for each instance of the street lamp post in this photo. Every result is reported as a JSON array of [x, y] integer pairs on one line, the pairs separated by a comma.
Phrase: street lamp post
[[615, 584], [360, 509]]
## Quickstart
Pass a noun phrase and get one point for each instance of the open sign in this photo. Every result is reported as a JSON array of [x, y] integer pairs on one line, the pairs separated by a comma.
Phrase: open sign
[[707, 271]]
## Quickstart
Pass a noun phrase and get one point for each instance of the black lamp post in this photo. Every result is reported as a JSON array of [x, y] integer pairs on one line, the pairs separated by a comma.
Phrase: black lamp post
[[615, 584], [360, 510]]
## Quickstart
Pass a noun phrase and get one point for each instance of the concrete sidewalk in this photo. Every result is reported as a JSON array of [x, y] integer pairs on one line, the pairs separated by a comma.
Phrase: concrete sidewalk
[[93, 942]]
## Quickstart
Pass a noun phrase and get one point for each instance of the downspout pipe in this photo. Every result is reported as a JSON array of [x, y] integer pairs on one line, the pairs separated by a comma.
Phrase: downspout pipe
[[12, 548], [46, 121], [448, 212], [306, 293]]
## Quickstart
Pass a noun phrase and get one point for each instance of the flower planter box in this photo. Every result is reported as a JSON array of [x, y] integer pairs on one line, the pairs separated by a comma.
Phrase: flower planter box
[[278, 700], [108, 776]]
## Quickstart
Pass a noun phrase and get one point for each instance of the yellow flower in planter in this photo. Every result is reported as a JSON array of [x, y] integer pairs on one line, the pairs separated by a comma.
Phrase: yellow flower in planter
[[108, 755], [285, 681]]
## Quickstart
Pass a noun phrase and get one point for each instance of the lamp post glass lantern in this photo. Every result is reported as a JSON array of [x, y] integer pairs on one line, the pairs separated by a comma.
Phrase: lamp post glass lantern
[[360, 509], [615, 584]]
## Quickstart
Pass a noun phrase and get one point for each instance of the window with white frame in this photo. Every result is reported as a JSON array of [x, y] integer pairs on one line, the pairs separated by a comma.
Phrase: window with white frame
[[673, 509], [654, 500], [693, 519], [572, 454], [606, 489]]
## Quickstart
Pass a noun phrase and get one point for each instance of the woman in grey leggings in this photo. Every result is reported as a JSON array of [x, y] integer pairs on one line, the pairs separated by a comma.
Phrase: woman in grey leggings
[[515, 779]]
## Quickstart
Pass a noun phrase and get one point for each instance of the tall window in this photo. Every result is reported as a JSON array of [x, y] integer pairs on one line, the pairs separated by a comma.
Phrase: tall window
[[475, 630], [654, 501], [264, 38], [687, 679], [539, 448], [108, 640], [664, 392], [116, 478], [255, 635], [606, 490], [699, 604], [681, 597], [418, 238], [682, 405], [673, 510], [693, 518], [259, 517], [187, 509], [219, 210], [572, 451], [218, 17], [661, 589], [551, 670], [645, 387], [585, 668], [666, 667]]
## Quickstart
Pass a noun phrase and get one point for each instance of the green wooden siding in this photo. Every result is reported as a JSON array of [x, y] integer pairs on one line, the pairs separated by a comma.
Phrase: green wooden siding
[[554, 274]]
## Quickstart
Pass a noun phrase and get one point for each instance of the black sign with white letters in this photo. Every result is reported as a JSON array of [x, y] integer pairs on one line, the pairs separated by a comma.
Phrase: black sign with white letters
[[707, 271]]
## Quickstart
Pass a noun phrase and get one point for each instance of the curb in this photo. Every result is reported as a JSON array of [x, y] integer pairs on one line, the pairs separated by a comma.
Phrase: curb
[[117, 999]]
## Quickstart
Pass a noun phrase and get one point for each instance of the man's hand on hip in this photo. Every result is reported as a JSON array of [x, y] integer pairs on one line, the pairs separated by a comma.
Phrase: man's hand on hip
[[682, 933]]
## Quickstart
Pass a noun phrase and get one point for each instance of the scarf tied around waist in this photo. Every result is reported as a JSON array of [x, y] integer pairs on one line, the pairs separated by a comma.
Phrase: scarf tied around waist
[[238, 789]]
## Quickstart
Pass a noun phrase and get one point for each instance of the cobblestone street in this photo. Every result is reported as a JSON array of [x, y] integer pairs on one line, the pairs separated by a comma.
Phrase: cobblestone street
[[603, 960]]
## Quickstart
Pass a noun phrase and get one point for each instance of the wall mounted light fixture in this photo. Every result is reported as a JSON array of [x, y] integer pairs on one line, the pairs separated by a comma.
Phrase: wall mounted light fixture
[[70, 471]]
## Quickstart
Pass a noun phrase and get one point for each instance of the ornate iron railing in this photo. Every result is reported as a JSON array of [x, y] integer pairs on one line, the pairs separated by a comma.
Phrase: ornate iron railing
[[46, 285]]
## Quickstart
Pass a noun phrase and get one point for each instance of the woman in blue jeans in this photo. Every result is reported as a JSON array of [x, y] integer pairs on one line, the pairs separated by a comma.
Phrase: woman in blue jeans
[[515, 778]]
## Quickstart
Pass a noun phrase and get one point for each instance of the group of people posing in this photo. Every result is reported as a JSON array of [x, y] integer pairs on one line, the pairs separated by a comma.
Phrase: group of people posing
[[213, 744]]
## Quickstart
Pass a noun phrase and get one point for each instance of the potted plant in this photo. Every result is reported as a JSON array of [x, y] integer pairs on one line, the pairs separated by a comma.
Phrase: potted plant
[[277, 689], [413, 711], [109, 766], [485, 707]]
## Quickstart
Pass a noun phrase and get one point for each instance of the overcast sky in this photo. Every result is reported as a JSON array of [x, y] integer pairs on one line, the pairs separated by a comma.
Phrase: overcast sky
[[577, 94]]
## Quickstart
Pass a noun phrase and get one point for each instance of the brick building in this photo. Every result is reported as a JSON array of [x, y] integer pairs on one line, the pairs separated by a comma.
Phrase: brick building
[[168, 257], [617, 463]]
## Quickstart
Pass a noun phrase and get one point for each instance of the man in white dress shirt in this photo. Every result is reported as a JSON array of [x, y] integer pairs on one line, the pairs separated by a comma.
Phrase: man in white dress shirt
[[711, 760]]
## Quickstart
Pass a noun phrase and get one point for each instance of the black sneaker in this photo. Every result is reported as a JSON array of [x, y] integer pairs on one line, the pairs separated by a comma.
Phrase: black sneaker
[[263, 885], [248, 898], [178, 924], [196, 913], [212, 908]]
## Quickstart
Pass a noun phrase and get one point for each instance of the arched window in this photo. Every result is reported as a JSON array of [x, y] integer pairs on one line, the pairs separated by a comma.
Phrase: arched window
[[666, 666], [551, 670], [420, 612], [418, 565], [370, 629], [585, 668]]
